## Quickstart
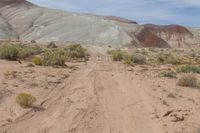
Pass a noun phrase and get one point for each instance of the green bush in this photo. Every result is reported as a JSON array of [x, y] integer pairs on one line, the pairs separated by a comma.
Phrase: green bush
[[74, 51], [54, 58], [169, 74], [188, 80], [189, 69], [18, 51], [138, 59], [37, 60], [25, 100]]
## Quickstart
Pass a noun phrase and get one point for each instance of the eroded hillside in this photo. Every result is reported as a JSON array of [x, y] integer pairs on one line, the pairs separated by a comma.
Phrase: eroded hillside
[[21, 20]]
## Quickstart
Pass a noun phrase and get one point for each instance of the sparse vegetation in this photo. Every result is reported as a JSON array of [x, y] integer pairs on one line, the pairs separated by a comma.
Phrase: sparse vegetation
[[189, 69], [173, 59], [188, 80], [58, 56], [119, 55], [25, 100]]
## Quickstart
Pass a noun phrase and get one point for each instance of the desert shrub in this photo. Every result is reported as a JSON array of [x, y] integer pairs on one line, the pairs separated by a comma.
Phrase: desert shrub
[[127, 59], [169, 59], [18, 51], [173, 59], [52, 44], [33, 41], [138, 59], [169, 74], [188, 80], [117, 55], [189, 69], [25, 100], [9, 52], [54, 58], [74, 51], [37, 60]]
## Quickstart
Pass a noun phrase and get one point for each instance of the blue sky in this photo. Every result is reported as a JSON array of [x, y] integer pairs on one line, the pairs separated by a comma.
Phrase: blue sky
[[185, 12]]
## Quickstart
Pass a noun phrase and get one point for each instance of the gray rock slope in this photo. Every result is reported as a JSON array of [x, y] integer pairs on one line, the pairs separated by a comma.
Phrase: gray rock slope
[[21, 20]]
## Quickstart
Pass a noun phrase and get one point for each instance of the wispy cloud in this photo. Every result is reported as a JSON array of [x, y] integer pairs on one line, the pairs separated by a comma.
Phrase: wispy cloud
[[144, 11]]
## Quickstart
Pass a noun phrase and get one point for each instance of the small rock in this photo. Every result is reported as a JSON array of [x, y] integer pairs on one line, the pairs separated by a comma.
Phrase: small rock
[[171, 95]]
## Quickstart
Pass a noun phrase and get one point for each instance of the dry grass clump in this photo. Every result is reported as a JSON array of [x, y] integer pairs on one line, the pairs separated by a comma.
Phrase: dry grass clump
[[188, 80], [169, 74], [25, 100]]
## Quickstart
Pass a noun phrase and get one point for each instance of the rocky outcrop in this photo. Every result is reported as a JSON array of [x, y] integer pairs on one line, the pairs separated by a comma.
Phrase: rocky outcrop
[[148, 39], [21, 20], [175, 35]]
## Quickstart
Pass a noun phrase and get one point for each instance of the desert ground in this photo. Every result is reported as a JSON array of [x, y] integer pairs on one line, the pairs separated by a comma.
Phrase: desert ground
[[96, 96]]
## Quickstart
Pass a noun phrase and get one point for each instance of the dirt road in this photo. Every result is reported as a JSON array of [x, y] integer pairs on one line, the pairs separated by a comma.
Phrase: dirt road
[[100, 97]]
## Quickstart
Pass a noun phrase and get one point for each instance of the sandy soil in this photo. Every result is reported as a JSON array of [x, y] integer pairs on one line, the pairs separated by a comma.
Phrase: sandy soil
[[101, 96]]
